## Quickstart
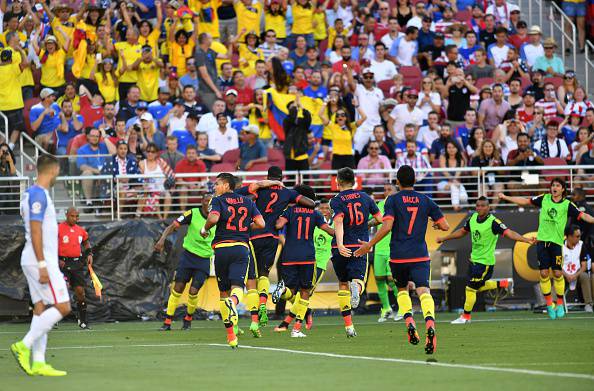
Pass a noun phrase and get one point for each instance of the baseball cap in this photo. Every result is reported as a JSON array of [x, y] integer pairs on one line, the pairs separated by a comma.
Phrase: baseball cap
[[575, 114], [146, 48], [179, 102], [439, 36], [146, 116], [142, 105], [390, 102], [231, 91], [251, 129], [521, 25], [366, 71], [164, 90], [275, 172], [530, 92], [46, 92], [173, 75], [121, 142], [412, 92]]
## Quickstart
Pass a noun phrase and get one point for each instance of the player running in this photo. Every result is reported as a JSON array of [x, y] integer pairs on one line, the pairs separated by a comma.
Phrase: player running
[[271, 201], [194, 261], [298, 264], [39, 261], [555, 210], [485, 230], [72, 261], [233, 215], [352, 209], [406, 216]]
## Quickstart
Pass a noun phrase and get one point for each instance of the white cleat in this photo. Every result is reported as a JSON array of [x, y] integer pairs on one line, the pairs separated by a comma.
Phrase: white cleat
[[355, 294], [297, 334], [350, 332], [588, 308], [510, 286], [460, 320], [385, 315], [398, 317]]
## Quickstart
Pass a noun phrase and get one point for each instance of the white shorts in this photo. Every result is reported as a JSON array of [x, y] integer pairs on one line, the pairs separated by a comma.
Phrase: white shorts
[[53, 292]]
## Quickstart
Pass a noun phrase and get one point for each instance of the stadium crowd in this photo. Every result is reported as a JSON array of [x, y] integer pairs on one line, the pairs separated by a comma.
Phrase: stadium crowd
[[159, 87]]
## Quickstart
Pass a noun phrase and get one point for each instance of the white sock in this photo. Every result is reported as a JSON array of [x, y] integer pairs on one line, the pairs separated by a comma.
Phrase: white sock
[[39, 348], [42, 325]]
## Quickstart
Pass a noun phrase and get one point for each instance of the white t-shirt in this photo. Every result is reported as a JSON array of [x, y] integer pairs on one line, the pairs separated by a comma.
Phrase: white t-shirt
[[403, 116], [36, 205], [369, 102], [553, 150], [425, 107], [208, 123], [530, 53], [222, 143], [384, 70], [571, 258], [404, 51], [427, 136], [498, 54], [176, 123]]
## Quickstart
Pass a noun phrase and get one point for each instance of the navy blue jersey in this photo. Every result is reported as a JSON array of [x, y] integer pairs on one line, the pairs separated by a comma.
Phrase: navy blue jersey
[[355, 207], [271, 202], [236, 213], [299, 234], [410, 211]]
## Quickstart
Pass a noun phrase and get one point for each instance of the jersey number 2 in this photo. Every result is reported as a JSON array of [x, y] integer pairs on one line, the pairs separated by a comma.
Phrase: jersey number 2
[[273, 199], [413, 216], [243, 212]]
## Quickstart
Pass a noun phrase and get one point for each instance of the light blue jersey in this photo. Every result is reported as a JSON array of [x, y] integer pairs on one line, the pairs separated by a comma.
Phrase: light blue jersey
[[36, 205]]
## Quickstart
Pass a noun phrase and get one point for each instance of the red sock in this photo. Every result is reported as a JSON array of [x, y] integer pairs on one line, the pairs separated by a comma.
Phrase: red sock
[[430, 323], [466, 316], [503, 283], [560, 300], [230, 333], [409, 320], [549, 299], [348, 320], [263, 298], [188, 318], [297, 326], [289, 318], [167, 321], [255, 317]]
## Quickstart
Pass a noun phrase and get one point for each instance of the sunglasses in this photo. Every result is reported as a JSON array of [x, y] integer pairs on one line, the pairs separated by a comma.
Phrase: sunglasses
[[549, 89], [373, 148], [367, 77], [151, 151], [384, 9], [340, 115]]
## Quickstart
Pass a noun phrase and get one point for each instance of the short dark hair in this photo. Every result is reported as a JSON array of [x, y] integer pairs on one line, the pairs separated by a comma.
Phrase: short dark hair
[[275, 173], [570, 229], [346, 175], [522, 135], [191, 147], [406, 176], [306, 191], [501, 29], [44, 162], [324, 201], [227, 178], [380, 44], [482, 198]]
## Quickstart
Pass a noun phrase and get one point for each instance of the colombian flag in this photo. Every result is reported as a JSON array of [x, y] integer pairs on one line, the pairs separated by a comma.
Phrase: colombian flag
[[276, 103]]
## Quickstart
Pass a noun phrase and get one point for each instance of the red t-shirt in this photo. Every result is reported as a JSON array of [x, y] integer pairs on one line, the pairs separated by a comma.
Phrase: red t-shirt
[[337, 67], [90, 113], [69, 240], [245, 96], [524, 116], [185, 166]]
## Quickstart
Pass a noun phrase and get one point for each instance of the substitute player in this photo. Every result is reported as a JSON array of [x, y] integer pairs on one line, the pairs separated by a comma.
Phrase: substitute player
[[194, 261], [72, 260], [352, 209], [555, 211], [485, 230], [271, 201], [233, 215], [298, 263], [406, 216], [39, 261]]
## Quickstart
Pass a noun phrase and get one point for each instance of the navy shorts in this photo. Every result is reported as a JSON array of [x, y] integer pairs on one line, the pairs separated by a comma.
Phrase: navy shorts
[[300, 276], [417, 272], [478, 274], [263, 254], [348, 269], [231, 264], [192, 267], [550, 256]]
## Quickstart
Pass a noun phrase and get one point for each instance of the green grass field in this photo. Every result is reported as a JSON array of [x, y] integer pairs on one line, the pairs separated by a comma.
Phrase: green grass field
[[508, 350]]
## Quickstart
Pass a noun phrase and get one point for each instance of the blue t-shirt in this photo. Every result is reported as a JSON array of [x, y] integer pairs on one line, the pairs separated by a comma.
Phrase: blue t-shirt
[[253, 152], [64, 138], [464, 133], [158, 110], [320, 93], [569, 135], [49, 122], [238, 124], [91, 161], [289, 67], [299, 235], [355, 207], [236, 213], [187, 80], [184, 138], [468, 53]]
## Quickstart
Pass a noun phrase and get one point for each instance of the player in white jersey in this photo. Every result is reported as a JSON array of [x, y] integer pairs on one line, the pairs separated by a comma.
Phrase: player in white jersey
[[39, 261]]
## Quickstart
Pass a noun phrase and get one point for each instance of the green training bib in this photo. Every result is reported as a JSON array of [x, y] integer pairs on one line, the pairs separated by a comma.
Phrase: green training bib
[[193, 241], [323, 245], [484, 240], [552, 220]]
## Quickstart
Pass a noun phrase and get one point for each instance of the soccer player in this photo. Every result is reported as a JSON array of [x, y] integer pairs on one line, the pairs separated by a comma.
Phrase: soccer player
[[406, 216], [298, 264], [352, 209], [194, 261], [39, 261], [271, 201], [485, 230], [233, 215], [555, 210], [71, 259]]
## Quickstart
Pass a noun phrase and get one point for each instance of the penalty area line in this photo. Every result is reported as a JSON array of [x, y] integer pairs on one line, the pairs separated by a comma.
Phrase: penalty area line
[[418, 362]]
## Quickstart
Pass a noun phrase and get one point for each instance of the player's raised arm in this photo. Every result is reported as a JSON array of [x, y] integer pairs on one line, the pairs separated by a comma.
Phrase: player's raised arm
[[264, 184], [168, 231], [513, 235], [520, 201], [457, 234]]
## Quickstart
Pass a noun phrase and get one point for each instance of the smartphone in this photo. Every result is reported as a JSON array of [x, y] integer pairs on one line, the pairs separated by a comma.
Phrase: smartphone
[[98, 58], [38, 7]]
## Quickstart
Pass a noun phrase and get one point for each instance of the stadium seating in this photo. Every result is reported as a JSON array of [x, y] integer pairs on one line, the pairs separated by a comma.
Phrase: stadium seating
[[550, 174], [223, 167], [484, 81], [231, 157], [26, 114], [557, 81], [276, 158], [385, 86]]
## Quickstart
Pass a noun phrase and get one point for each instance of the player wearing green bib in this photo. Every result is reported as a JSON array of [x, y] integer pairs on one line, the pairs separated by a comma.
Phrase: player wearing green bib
[[555, 210], [484, 229], [194, 262]]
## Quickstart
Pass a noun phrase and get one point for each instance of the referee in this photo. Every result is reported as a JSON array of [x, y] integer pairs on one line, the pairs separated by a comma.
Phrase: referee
[[72, 260]]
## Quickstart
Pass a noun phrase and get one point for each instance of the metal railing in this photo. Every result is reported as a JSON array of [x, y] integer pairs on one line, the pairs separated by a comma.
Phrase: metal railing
[[6, 131], [560, 24], [537, 3], [11, 189], [589, 67]]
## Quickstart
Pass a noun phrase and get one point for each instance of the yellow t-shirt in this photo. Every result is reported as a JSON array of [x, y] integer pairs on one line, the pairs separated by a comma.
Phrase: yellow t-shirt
[[278, 23], [52, 71], [131, 54], [342, 139], [152, 40], [332, 34], [302, 20], [264, 128], [178, 55], [75, 102], [248, 58], [69, 30], [207, 16], [320, 31], [107, 87], [148, 81], [248, 18], [26, 76], [89, 64], [11, 96], [22, 38]]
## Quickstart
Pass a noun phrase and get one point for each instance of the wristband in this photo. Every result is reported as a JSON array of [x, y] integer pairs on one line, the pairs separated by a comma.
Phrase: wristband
[[41, 264], [202, 231]]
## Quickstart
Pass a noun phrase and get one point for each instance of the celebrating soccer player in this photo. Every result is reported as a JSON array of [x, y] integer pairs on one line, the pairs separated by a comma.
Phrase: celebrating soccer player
[[71, 236], [233, 215], [39, 261], [194, 262], [271, 200], [555, 210], [406, 215], [352, 209], [485, 230]]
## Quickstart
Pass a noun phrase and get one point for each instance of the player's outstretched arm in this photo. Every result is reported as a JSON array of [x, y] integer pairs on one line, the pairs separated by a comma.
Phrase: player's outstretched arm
[[168, 231], [306, 202], [383, 231], [587, 218], [264, 184], [457, 234], [513, 235], [520, 201]]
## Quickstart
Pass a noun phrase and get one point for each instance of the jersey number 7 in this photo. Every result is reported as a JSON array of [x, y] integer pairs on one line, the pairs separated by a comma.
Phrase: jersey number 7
[[413, 216]]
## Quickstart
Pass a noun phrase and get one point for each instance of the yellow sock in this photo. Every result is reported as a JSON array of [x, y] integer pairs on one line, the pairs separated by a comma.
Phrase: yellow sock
[[192, 303], [559, 284], [489, 285], [263, 285], [300, 308], [427, 305], [470, 299], [344, 300], [172, 302], [224, 310], [545, 285], [404, 303], [361, 285], [288, 296], [238, 293], [252, 300]]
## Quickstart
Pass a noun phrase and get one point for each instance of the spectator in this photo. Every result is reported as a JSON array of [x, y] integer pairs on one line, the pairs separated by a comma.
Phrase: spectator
[[410, 134], [579, 104], [458, 90], [581, 144], [430, 132], [468, 52], [90, 161], [505, 134], [364, 51], [569, 127], [462, 132], [521, 36], [188, 186], [9, 190], [527, 109], [121, 163], [342, 131], [70, 126], [497, 52], [161, 106], [108, 121], [175, 119], [523, 156], [552, 145], [120, 131], [386, 145], [374, 161], [11, 98], [382, 68], [225, 78], [259, 79], [405, 48], [578, 197], [550, 104], [239, 118], [252, 150], [369, 98], [224, 138], [207, 155], [576, 11], [171, 155], [207, 69], [316, 89], [270, 47], [487, 34], [141, 108], [296, 127], [208, 122], [475, 140], [567, 89], [406, 113], [148, 132], [575, 263], [417, 161], [191, 76], [187, 135], [230, 102], [7, 167], [488, 156], [45, 117], [156, 187], [438, 146], [452, 158], [429, 100], [315, 153], [550, 63], [299, 54], [491, 111], [514, 99], [191, 104], [127, 108], [53, 59], [532, 49]]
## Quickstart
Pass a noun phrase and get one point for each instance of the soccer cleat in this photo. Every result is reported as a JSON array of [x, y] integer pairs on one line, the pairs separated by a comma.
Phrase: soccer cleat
[[84, 326], [350, 332], [233, 343], [255, 329], [431, 341], [280, 329], [355, 294], [560, 310], [385, 315], [398, 316], [588, 308], [460, 320], [165, 327], [309, 320], [413, 335], [22, 355], [44, 369], [187, 325], [510, 286], [263, 315], [551, 312], [297, 334], [278, 291]]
